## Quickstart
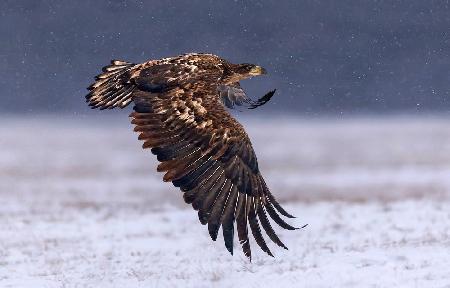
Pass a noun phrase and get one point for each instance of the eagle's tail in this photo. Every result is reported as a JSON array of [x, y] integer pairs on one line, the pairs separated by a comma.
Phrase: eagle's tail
[[112, 88]]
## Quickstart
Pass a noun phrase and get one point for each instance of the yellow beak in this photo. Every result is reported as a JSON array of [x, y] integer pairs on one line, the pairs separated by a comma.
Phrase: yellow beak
[[257, 70]]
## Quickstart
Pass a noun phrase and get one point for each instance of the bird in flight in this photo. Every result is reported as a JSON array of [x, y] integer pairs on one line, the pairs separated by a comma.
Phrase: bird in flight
[[180, 111]]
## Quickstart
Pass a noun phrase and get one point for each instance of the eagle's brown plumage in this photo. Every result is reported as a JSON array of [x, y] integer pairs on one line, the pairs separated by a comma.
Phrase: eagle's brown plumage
[[180, 113]]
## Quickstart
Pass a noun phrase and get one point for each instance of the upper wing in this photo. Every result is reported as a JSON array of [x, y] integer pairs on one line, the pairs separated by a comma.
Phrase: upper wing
[[207, 153], [115, 86]]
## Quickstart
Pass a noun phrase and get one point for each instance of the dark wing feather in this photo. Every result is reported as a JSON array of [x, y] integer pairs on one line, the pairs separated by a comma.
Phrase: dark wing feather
[[268, 228], [228, 218], [254, 225], [217, 209], [241, 222], [206, 152]]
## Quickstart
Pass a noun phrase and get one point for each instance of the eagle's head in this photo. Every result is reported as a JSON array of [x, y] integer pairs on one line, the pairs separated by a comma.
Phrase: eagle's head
[[243, 71], [249, 70]]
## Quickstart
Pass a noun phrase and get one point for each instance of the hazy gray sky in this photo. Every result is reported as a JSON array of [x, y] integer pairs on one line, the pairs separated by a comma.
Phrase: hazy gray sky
[[323, 56]]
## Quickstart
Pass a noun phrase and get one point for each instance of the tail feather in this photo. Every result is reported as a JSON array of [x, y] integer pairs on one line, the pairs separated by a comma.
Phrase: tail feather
[[112, 88]]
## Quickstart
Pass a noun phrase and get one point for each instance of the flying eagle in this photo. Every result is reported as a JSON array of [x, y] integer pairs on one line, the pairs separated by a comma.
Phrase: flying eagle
[[180, 112]]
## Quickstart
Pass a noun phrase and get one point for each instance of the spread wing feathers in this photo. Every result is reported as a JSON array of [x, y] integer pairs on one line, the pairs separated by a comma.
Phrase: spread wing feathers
[[207, 154], [232, 95], [112, 88]]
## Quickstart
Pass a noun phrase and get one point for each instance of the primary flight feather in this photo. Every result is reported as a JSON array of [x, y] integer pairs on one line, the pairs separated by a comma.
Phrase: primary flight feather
[[180, 112]]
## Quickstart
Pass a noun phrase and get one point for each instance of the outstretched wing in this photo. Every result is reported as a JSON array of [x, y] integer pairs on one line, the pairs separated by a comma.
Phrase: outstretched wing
[[208, 155]]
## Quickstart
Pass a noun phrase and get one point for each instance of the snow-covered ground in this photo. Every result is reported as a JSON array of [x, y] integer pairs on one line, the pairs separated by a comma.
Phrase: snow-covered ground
[[82, 206]]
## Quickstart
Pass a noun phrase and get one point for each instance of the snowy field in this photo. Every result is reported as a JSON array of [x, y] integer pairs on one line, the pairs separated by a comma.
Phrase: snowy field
[[82, 206]]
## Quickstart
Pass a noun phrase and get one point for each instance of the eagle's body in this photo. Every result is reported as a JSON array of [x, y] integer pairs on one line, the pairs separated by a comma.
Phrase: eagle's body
[[180, 113]]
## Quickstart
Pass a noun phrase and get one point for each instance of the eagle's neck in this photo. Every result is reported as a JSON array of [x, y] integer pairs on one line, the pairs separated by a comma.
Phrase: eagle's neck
[[231, 79], [230, 76]]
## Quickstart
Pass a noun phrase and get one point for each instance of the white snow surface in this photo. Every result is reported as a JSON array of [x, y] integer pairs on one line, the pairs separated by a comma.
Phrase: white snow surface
[[82, 206]]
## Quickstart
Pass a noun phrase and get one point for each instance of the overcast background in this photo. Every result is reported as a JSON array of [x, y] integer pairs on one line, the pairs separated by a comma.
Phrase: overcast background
[[335, 57]]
